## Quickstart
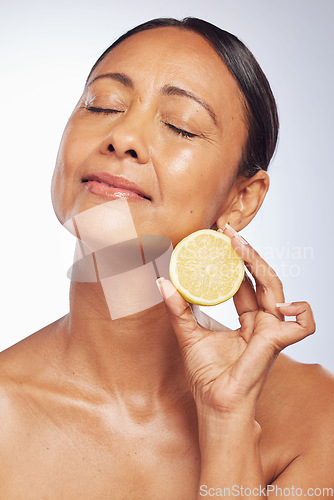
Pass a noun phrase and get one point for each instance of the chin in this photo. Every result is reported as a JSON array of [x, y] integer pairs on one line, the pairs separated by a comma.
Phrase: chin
[[102, 225]]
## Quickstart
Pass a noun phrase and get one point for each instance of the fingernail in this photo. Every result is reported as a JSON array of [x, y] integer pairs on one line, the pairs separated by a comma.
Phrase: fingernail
[[241, 239], [165, 287], [226, 226], [283, 304], [158, 282], [236, 235]]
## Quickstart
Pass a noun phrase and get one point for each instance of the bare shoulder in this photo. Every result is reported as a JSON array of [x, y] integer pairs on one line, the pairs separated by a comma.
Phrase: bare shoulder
[[304, 386], [297, 401], [24, 367], [25, 358], [296, 413]]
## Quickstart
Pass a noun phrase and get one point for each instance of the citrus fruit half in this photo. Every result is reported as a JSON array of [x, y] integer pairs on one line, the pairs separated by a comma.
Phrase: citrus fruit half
[[205, 269]]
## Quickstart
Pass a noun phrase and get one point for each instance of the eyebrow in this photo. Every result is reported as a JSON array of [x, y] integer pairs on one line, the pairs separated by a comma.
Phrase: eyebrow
[[166, 90], [172, 90], [118, 77]]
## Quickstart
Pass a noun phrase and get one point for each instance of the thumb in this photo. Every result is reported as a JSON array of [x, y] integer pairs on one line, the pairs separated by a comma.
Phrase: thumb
[[180, 313]]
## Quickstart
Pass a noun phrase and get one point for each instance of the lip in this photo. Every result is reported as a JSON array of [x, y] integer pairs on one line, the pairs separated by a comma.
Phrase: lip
[[113, 186]]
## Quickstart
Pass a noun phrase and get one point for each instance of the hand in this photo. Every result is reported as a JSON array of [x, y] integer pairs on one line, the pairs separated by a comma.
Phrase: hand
[[227, 370]]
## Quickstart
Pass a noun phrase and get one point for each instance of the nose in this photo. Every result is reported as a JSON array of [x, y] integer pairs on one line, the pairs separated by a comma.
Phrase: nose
[[126, 138]]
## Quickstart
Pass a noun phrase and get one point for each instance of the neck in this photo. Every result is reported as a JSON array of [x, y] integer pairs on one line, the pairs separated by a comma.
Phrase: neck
[[132, 355]]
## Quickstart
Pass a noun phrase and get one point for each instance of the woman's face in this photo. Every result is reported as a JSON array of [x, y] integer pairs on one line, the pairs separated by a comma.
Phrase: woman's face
[[163, 112]]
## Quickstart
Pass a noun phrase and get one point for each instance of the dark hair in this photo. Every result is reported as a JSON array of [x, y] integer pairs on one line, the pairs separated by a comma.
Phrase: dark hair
[[261, 111]]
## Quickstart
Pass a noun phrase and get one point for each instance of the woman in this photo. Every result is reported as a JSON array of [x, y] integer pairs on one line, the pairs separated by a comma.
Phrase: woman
[[178, 119]]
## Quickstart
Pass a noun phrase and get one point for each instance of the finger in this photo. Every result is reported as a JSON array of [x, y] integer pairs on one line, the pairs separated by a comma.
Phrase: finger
[[269, 288], [257, 359], [247, 307], [245, 298], [294, 331], [180, 313]]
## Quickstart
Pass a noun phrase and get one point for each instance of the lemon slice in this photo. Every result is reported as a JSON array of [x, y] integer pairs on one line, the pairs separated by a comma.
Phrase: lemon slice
[[205, 269]]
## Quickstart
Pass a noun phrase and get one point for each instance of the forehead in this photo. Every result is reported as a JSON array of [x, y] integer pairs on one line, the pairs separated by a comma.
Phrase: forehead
[[172, 44], [170, 55]]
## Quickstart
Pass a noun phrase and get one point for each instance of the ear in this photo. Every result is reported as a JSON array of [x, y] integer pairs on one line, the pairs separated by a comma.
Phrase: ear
[[245, 200]]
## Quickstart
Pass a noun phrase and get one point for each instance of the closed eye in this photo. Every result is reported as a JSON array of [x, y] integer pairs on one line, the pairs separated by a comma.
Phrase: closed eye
[[108, 111], [180, 131], [105, 111]]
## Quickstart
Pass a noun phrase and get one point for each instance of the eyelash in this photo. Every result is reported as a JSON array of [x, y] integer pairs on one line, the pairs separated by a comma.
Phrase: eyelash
[[108, 111], [178, 131]]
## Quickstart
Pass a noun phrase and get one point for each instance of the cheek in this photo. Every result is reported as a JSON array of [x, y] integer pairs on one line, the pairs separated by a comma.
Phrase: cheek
[[58, 186], [66, 178], [194, 185], [198, 177]]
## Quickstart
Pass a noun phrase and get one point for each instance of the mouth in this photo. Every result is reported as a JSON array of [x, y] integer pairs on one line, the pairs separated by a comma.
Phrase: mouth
[[112, 186]]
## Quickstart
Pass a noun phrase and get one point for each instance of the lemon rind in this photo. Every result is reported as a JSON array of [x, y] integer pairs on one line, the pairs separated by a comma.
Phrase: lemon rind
[[186, 294]]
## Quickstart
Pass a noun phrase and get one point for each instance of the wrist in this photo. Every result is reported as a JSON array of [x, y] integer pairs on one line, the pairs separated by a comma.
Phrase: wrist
[[232, 447], [218, 418], [216, 429]]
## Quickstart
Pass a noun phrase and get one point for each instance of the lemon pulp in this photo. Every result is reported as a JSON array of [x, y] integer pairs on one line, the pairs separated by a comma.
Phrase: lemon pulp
[[205, 269]]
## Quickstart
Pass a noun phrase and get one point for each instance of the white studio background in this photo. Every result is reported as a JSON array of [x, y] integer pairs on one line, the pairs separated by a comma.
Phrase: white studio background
[[47, 49]]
